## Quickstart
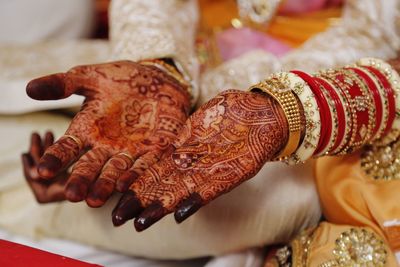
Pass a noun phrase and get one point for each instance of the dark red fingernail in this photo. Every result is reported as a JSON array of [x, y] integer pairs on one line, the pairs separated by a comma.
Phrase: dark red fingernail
[[77, 191], [100, 193], [49, 166], [125, 181], [48, 139], [149, 216], [127, 208], [47, 88], [189, 206], [35, 138]]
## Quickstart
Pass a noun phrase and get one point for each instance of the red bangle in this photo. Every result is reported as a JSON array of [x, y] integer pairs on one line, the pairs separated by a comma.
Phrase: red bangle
[[340, 111], [390, 95], [325, 114], [377, 100], [331, 121], [361, 108]]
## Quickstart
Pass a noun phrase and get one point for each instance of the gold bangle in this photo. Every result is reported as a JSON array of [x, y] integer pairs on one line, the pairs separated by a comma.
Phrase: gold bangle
[[394, 79], [127, 155], [75, 139], [288, 102], [170, 70]]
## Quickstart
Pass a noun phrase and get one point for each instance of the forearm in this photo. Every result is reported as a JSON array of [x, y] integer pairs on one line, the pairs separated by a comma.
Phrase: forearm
[[339, 110]]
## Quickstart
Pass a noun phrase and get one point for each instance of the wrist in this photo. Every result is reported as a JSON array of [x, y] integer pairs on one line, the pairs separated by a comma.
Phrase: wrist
[[290, 109], [169, 67], [340, 110]]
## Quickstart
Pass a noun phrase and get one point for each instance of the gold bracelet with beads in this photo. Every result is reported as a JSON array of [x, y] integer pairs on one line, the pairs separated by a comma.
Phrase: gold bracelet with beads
[[289, 104]]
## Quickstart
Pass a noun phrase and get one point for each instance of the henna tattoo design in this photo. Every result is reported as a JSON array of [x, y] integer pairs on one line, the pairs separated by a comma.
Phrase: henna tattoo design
[[223, 144], [130, 115]]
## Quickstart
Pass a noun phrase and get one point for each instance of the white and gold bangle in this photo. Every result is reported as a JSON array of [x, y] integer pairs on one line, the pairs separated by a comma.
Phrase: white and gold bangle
[[384, 100], [394, 80], [312, 131]]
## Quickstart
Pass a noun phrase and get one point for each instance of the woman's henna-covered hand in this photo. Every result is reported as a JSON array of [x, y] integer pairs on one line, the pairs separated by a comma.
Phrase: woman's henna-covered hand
[[130, 115], [223, 144], [45, 191]]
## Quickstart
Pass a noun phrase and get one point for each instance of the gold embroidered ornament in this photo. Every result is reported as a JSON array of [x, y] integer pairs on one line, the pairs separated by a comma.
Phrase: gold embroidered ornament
[[257, 12], [359, 247], [382, 162], [356, 247]]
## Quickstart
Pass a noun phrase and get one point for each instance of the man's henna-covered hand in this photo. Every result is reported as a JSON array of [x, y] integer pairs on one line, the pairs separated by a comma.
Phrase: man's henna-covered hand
[[223, 144], [44, 191], [130, 115]]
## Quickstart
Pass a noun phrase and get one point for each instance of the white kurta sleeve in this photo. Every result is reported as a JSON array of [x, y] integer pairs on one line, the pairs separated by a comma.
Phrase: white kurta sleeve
[[368, 28], [238, 73], [156, 29]]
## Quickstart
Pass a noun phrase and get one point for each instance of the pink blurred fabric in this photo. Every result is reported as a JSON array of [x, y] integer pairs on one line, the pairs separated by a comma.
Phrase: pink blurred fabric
[[304, 6], [235, 42]]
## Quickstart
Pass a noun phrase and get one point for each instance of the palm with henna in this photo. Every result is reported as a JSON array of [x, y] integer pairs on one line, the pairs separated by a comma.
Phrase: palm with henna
[[130, 115], [223, 144]]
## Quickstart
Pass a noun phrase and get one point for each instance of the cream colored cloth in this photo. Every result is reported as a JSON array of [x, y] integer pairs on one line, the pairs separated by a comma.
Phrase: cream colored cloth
[[21, 63], [41, 37], [27, 21], [268, 208], [248, 258]]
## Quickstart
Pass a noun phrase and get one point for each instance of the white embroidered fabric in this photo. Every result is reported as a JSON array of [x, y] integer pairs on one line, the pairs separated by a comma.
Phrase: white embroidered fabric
[[156, 29]]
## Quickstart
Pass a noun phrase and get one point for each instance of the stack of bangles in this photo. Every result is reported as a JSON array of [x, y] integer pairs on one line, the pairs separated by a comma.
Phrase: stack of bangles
[[343, 109]]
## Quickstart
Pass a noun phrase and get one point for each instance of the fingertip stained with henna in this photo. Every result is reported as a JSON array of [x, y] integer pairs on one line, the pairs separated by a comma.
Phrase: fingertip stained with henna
[[50, 87], [127, 208], [149, 216]]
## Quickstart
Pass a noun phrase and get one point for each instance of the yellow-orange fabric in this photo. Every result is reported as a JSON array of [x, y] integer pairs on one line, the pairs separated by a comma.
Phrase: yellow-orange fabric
[[350, 198]]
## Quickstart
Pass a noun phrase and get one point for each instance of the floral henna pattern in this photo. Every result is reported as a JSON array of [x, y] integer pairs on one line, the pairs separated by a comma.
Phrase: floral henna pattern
[[223, 144], [131, 113]]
